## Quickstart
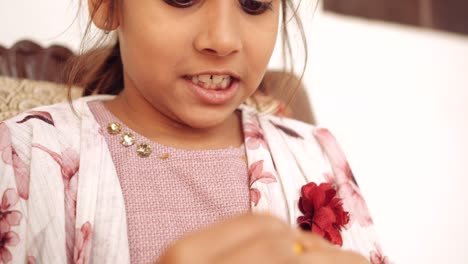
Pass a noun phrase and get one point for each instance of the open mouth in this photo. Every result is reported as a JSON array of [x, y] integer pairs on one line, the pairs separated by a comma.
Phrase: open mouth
[[212, 82], [213, 88]]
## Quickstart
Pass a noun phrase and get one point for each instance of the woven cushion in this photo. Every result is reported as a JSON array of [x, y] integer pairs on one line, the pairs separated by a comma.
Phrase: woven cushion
[[19, 95]]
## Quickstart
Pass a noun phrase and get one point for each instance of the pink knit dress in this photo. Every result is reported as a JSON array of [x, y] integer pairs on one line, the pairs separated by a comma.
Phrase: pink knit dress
[[173, 191]]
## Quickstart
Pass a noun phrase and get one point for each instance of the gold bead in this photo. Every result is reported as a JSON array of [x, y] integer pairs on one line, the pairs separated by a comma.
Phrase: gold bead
[[113, 128], [164, 156], [144, 150], [298, 248], [127, 139]]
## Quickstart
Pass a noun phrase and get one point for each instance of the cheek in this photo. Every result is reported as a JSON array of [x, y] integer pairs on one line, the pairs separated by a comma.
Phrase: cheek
[[259, 48], [260, 33], [157, 49], [153, 40], [152, 60]]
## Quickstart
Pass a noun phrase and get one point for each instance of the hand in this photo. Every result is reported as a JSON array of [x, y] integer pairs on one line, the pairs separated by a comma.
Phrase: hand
[[253, 239]]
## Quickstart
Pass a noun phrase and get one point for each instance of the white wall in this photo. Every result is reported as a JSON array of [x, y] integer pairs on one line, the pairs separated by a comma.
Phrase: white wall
[[397, 99], [395, 96], [45, 21]]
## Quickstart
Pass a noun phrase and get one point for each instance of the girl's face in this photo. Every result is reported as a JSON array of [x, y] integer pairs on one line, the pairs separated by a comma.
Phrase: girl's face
[[195, 61]]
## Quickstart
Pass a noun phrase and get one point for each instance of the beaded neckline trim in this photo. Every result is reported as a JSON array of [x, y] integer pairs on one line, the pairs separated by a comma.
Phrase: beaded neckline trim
[[127, 139]]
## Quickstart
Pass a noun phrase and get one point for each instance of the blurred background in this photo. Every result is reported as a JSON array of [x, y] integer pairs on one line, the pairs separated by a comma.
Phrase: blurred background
[[390, 79]]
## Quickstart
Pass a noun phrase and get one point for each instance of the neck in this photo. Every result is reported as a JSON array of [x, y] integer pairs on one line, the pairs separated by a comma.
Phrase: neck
[[142, 117]]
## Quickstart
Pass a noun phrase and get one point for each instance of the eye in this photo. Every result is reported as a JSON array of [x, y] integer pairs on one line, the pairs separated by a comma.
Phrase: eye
[[180, 3], [253, 7]]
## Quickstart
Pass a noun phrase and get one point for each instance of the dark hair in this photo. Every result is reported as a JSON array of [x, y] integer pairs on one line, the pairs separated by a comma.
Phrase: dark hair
[[99, 70]]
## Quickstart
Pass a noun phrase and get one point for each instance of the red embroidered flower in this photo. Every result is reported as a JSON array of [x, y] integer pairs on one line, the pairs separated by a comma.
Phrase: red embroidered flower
[[323, 212]]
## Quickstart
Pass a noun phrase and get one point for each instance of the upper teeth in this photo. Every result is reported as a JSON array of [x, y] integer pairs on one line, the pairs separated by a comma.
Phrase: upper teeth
[[212, 81]]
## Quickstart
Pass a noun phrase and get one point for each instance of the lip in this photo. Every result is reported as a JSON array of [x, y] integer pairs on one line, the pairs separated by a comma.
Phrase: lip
[[214, 97]]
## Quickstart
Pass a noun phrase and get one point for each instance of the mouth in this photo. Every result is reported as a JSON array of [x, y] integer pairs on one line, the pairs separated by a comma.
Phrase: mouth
[[212, 81], [213, 89]]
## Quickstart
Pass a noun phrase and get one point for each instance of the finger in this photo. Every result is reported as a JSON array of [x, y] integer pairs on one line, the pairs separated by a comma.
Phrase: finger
[[312, 242], [269, 248], [231, 233], [329, 256]]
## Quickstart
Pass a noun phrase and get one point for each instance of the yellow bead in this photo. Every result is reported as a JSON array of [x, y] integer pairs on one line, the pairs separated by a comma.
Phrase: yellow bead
[[164, 156], [298, 248]]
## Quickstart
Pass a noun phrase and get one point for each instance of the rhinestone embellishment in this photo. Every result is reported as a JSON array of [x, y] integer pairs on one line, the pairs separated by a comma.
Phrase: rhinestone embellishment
[[114, 128], [127, 139], [144, 150]]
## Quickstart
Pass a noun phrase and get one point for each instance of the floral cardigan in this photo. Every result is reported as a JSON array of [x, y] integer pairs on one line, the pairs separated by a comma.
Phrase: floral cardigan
[[61, 200]]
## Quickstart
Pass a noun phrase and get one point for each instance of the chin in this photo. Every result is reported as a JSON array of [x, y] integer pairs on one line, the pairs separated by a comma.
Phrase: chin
[[204, 123], [205, 119]]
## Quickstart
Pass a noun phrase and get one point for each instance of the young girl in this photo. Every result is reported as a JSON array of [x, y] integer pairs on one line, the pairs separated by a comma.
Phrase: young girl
[[174, 168]]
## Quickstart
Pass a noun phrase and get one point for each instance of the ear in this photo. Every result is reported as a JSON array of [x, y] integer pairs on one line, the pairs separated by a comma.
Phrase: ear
[[100, 18]]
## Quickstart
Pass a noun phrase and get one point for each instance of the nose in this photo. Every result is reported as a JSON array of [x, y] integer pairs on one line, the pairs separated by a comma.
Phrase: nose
[[219, 32]]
